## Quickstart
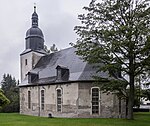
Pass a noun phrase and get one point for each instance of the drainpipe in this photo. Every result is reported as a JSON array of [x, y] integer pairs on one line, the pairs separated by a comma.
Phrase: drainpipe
[[38, 99]]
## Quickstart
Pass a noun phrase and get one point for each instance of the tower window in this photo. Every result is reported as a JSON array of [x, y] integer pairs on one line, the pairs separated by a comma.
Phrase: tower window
[[40, 46], [26, 62]]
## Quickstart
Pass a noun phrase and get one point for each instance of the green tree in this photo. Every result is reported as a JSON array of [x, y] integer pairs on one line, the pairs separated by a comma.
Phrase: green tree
[[46, 49], [146, 94], [3, 100], [117, 34], [52, 49], [11, 91]]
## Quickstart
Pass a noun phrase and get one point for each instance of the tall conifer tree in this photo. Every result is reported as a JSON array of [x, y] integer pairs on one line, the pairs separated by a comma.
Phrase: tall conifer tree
[[11, 91]]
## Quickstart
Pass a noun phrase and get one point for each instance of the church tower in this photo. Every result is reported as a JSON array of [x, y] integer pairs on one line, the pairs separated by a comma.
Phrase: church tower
[[34, 47]]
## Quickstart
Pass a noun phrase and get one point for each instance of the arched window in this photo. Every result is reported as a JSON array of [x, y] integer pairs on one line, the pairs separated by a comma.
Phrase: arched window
[[59, 100], [42, 100], [95, 100], [29, 99]]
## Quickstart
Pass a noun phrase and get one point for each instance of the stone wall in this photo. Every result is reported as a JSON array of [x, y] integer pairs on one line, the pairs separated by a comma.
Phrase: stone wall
[[108, 103], [76, 102], [69, 100]]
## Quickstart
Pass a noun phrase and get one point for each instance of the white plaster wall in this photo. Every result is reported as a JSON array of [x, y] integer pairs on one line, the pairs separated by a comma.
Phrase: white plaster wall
[[70, 94], [76, 101], [69, 100], [32, 59]]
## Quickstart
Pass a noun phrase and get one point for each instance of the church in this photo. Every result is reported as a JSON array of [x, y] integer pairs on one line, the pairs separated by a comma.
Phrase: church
[[60, 84]]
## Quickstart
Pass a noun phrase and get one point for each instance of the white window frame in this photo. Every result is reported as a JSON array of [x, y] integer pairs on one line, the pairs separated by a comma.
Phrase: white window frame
[[57, 100], [41, 103], [98, 100]]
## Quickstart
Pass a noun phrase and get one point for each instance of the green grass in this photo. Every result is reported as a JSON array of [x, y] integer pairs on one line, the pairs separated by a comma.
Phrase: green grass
[[14, 119]]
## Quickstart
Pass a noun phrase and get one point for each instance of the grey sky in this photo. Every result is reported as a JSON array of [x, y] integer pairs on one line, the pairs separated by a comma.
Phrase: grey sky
[[57, 19]]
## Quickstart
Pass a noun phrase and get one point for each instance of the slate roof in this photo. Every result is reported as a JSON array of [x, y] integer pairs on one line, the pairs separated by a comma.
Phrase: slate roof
[[79, 70], [30, 50]]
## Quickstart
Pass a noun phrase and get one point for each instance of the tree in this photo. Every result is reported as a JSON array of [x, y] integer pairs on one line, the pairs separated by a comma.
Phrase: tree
[[117, 34], [11, 91], [46, 49], [146, 94], [52, 49], [3, 100]]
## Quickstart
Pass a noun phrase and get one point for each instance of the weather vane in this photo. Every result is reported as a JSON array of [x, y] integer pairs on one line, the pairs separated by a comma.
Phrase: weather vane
[[34, 7]]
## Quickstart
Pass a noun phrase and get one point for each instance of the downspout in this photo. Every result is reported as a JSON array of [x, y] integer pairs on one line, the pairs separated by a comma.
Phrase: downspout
[[38, 99]]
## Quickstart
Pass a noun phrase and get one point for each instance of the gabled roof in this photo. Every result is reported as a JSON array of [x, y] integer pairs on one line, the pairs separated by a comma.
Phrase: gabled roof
[[78, 69]]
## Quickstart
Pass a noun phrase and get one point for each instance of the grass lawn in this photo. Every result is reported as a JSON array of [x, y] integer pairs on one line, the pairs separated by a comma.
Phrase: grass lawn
[[14, 119]]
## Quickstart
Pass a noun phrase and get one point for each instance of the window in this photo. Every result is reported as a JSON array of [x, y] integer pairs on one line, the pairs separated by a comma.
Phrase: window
[[35, 22], [95, 100], [42, 99], [32, 77], [59, 100], [39, 45], [26, 62], [29, 99], [62, 73]]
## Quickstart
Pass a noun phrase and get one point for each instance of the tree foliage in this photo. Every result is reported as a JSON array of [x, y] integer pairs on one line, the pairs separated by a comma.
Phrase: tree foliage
[[146, 94], [117, 34], [11, 91], [3, 100], [52, 49]]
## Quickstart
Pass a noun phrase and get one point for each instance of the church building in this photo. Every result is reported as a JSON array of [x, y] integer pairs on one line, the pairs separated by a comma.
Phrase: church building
[[60, 84]]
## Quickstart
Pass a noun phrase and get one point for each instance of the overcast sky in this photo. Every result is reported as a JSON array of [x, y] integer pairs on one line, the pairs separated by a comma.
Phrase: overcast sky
[[57, 19]]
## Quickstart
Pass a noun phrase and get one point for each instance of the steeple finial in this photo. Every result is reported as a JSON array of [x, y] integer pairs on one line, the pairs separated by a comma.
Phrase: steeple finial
[[34, 7]]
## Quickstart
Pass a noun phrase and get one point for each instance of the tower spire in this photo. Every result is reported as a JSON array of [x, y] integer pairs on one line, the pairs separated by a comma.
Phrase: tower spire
[[34, 36], [34, 18]]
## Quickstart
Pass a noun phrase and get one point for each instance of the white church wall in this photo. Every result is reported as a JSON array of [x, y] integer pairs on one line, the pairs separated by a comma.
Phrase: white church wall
[[28, 61], [76, 101], [69, 100]]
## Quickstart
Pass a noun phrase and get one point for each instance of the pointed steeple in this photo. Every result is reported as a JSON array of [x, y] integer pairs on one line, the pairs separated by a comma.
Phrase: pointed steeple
[[34, 18], [34, 36]]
